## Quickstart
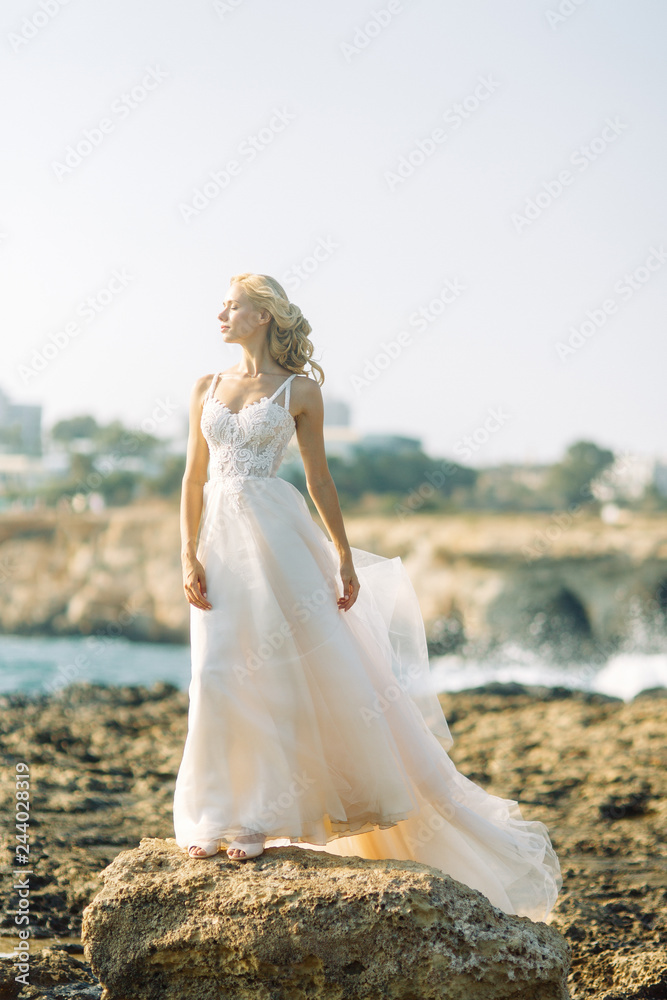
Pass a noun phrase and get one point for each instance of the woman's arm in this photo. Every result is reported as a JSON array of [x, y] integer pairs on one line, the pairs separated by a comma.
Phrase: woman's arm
[[192, 499], [310, 436]]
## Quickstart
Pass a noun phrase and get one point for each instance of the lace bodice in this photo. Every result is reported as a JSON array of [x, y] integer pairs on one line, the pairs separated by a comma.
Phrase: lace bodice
[[249, 444]]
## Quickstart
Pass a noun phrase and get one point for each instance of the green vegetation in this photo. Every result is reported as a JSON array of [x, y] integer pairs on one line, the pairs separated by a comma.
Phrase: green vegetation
[[113, 465], [111, 461], [570, 480]]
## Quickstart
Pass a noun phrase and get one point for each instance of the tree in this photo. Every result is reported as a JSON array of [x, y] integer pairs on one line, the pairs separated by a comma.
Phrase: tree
[[119, 488], [382, 476], [168, 482], [11, 437], [76, 427], [116, 439], [570, 480]]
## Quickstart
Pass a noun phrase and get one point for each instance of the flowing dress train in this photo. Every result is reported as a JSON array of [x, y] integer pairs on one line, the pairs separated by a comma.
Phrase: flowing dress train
[[315, 726]]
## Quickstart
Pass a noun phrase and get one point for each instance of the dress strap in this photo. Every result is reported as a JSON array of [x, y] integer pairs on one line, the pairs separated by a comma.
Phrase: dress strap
[[286, 385], [211, 388]]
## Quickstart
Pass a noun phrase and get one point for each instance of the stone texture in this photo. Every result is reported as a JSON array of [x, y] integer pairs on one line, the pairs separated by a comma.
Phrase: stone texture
[[53, 973], [562, 754], [303, 924]]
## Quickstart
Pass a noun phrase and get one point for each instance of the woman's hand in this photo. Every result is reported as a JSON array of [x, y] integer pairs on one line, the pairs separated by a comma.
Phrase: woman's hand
[[194, 583], [350, 585]]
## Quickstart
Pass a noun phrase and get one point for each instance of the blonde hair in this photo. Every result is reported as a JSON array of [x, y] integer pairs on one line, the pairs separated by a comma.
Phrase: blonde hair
[[288, 331]]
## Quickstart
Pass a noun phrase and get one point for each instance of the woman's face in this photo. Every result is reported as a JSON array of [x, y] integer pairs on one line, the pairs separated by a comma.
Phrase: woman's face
[[239, 319]]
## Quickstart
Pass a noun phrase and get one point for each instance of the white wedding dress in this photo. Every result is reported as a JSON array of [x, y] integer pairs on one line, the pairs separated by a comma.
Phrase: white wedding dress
[[317, 726]]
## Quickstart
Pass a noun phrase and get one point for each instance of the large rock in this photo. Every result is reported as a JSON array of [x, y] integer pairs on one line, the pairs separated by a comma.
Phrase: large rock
[[306, 924]]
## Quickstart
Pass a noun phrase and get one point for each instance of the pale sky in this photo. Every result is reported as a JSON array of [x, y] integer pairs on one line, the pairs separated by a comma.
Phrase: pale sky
[[484, 105]]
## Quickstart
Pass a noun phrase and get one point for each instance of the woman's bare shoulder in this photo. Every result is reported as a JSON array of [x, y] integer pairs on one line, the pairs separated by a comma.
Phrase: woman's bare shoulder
[[200, 388], [306, 387], [307, 396], [202, 383]]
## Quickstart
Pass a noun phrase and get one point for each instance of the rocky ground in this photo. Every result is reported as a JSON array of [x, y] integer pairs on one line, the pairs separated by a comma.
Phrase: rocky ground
[[103, 763]]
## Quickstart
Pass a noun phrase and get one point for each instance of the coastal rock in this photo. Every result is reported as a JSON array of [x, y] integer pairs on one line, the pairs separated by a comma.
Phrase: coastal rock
[[306, 924], [50, 967], [481, 579], [560, 754]]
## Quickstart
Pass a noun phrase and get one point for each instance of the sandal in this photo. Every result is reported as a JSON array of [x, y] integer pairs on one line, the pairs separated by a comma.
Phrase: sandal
[[251, 846], [211, 847]]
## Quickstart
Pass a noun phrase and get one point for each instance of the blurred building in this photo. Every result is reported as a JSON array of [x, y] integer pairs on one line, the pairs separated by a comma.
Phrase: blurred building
[[505, 484], [628, 477], [342, 440], [660, 477], [336, 412], [339, 436], [20, 428], [395, 443]]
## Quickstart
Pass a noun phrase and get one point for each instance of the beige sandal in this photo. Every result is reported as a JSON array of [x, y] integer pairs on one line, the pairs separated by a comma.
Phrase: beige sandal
[[251, 846], [211, 847]]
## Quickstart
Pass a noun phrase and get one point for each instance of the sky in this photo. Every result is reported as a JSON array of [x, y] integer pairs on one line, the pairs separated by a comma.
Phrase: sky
[[465, 198]]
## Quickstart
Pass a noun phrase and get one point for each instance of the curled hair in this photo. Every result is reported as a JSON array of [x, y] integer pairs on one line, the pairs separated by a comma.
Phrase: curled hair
[[288, 331]]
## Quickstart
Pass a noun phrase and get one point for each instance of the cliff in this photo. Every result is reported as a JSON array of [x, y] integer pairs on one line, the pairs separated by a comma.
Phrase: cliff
[[489, 578]]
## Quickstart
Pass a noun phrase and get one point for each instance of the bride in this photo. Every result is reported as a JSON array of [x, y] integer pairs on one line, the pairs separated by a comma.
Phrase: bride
[[312, 720]]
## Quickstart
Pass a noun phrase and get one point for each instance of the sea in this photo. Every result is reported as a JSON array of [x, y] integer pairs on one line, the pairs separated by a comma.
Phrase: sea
[[42, 665]]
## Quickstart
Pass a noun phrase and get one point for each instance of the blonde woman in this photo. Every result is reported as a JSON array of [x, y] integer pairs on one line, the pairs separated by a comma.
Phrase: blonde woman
[[311, 718]]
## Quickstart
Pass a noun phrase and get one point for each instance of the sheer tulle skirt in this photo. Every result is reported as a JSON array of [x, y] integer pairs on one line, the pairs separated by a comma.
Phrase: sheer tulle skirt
[[318, 727]]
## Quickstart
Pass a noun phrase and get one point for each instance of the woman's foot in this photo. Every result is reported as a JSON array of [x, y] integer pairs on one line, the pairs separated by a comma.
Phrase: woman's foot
[[204, 849], [249, 845]]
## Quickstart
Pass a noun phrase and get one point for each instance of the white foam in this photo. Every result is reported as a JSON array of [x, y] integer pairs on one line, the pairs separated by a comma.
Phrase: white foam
[[626, 674], [623, 676]]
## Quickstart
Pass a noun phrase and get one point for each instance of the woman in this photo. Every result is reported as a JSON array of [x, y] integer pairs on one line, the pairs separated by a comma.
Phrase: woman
[[311, 717]]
